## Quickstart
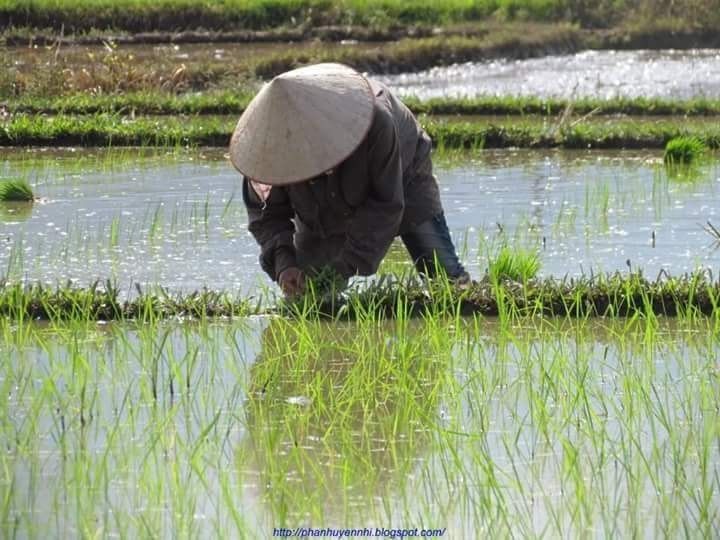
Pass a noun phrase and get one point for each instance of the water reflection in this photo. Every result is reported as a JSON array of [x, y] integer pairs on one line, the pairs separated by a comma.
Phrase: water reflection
[[232, 429], [671, 74], [12, 213], [336, 426], [176, 219]]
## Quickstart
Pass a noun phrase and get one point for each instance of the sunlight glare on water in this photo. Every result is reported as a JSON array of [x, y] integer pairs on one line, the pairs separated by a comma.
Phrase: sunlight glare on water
[[670, 74], [180, 221]]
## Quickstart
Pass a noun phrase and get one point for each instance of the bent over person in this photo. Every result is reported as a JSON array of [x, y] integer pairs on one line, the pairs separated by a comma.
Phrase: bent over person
[[334, 168]]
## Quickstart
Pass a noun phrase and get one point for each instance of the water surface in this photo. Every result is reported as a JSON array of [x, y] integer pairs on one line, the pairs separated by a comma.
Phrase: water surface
[[669, 74], [177, 219], [231, 429]]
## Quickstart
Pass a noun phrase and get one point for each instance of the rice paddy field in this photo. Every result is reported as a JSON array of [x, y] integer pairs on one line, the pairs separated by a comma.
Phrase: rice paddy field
[[533, 428], [154, 384]]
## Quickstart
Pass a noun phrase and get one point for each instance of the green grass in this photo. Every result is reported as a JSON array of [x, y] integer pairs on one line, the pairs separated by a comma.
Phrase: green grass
[[142, 103], [172, 15], [523, 132], [102, 302], [220, 102], [684, 150], [232, 14], [509, 290], [520, 106], [15, 190], [529, 133], [112, 130]]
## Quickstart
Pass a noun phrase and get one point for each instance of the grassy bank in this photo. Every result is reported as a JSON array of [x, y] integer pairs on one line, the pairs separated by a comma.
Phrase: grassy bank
[[523, 132], [173, 15], [113, 70], [604, 296], [418, 54], [138, 16], [602, 134], [234, 102], [647, 34], [109, 69]]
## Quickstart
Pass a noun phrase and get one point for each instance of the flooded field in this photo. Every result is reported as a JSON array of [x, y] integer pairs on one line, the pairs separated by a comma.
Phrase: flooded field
[[177, 218], [548, 428], [603, 74], [670, 74], [451, 424]]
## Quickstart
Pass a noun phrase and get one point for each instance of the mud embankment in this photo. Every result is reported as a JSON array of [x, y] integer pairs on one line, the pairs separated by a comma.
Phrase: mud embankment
[[401, 49], [24, 38], [652, 37]]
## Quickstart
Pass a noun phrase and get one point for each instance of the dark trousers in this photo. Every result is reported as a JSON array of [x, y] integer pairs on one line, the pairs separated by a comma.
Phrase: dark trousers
[[432, 249], [427, 244]]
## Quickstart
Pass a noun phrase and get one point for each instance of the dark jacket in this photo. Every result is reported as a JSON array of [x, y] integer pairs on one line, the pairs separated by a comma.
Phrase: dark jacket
[[383, 189]]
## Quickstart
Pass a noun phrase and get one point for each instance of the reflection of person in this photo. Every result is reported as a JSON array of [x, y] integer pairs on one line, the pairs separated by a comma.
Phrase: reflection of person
[[334, 168], [329, 421]]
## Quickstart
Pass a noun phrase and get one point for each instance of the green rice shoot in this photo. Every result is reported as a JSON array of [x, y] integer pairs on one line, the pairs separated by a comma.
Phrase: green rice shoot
[[16, 190], [684, 150], [514, 264]]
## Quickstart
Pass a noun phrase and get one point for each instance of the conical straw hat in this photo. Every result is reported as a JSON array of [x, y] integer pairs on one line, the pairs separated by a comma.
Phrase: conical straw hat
[[302, 123]]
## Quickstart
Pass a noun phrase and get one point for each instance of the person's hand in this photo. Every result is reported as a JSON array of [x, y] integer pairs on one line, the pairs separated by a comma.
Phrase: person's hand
[[292, 281], [328, 280]]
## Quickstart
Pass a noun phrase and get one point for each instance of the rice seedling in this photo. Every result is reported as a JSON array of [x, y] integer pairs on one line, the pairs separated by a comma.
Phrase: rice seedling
[[15, 190], [517, 427], [114, 233], [513, 264], [714, 234], [507, 408], [226, 102], [684, 151], [522, 132], [712, 231], [510, 289]]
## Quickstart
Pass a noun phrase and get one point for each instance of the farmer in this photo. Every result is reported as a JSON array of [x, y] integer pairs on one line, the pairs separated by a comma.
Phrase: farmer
[[334, 167]]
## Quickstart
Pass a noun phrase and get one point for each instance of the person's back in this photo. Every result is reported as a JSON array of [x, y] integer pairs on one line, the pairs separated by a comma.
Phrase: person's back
[[344, 217]]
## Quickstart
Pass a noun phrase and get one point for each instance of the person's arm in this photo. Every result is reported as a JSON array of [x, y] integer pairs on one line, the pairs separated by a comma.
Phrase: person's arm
[[377, 221], [270, 223]]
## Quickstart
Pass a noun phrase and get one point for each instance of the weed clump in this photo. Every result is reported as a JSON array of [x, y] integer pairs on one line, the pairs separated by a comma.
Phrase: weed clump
[[15, 190], [684, 150]]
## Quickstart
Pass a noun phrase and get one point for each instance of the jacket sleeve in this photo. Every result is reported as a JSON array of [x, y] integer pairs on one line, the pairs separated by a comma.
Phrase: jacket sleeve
[[377, 221], [271, 225]]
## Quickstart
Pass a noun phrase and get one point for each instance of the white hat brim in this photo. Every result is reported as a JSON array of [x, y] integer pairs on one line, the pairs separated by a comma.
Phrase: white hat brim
[[302, 123]]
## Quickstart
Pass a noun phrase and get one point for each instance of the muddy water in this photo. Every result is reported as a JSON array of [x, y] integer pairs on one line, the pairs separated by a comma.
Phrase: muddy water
[[667, 74], [178, 219]]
